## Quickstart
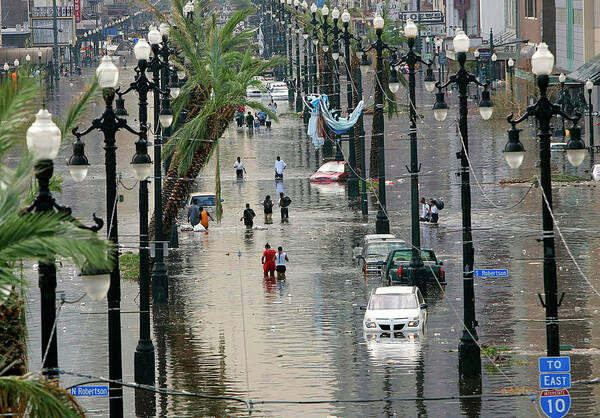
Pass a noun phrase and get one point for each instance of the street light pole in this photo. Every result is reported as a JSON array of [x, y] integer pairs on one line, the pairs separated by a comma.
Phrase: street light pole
[[298, 83], [416, 268], [542, 63], [589, 85], [346, 36], [469, 358], [109, 124], [55, 43], [160, 278], [511, 70], [382, 224]]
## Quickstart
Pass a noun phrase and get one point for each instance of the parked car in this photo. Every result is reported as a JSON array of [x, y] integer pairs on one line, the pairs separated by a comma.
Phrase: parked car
[[395, 308], [207, 200], [368, 238], [395, 270], [278, 89], [331, 171], [373, 255]]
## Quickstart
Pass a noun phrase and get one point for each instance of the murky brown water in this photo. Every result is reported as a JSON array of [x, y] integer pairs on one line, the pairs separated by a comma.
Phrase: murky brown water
[[227, 331]]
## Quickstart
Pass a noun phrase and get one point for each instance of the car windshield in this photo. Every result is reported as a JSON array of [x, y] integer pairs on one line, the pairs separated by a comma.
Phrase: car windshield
[[426, 255], [384, 248], [205, 200], [332, 167], [393, 301]]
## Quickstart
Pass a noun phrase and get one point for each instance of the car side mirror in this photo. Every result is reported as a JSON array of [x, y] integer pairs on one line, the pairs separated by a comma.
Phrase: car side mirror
[[424, 306]]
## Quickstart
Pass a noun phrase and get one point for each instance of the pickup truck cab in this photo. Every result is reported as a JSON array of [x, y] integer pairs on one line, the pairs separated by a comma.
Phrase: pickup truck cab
[[395, 269]]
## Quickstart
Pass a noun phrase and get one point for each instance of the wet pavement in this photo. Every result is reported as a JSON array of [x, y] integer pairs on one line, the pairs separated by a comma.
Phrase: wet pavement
[[228, 331]]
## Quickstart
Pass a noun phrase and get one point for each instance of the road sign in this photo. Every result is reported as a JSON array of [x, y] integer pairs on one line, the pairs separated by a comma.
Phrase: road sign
[[555, 403], [429, 18], [442, 59], [490, 273], [555, 380], [89, 391], [554, 364]]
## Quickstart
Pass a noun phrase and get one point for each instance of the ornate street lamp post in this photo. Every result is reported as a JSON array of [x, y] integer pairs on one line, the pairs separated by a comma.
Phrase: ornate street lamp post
[[542, 63], [469, 359]]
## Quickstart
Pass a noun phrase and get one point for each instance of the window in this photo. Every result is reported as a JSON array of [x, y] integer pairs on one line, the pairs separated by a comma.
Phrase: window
[[509, 13], [596, 13], [530, 8], [561, 15], [577, 17], [393, 301]]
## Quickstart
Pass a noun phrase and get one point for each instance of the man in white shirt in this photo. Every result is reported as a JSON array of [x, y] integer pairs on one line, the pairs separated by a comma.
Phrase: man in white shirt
[[434, 212], [425, 208], [280, 260], [239, 168], [279, 167]]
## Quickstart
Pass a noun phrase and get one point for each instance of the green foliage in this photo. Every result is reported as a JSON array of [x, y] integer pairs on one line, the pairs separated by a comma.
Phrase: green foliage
[[129, 264], [78, 108], [493, 350], [39, 397]]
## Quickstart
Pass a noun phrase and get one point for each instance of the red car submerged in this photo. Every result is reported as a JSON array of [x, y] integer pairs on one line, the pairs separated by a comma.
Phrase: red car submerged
[[331, 171]]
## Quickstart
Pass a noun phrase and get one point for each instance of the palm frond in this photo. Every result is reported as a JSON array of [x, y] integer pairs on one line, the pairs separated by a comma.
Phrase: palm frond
[[41, 398], [78, 108], [17, 105]]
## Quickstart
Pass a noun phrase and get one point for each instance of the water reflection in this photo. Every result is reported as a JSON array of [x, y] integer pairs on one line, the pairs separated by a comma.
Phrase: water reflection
[[400, 348], [330, 189]]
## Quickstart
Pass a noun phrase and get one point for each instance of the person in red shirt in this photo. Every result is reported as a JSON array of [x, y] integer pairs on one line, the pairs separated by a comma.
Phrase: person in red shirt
[[268, 261]]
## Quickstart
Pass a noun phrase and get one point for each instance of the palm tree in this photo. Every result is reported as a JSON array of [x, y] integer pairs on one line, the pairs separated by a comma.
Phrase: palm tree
[[31, 236], [220, 65]]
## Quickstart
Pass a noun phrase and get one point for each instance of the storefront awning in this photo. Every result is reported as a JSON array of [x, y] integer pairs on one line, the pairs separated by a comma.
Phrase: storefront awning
[[589, 70]]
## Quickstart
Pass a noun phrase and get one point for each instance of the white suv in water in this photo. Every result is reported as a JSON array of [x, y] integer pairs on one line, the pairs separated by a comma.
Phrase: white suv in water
[[395, 309]]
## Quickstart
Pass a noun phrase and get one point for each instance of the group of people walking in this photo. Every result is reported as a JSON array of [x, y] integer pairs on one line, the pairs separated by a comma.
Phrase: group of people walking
[[430, 212], [256, 120], [274, 261], [198, 215]]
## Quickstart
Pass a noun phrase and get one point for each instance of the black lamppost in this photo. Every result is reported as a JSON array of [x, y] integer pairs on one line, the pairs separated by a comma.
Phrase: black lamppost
[[589, 86], [335, 54], [43, 142], [315, 42], [347, 36], [298, 83], [511, 71], [543, 111], [306, 85], [382, 224], [141, 164], [469, 361], [416, 268], [164, 117], [109, 124]]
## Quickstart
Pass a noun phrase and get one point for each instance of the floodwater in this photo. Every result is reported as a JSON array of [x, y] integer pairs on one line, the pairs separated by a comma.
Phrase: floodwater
[[228, 332]]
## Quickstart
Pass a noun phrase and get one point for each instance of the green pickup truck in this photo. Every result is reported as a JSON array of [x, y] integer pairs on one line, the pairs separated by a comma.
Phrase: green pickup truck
[[395, 268]]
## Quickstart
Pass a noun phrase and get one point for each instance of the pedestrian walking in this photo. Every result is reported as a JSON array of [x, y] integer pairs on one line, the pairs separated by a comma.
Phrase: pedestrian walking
[[268, 261], [425, 211], [435, 212], [280, 263], [239, 118], [268, 209], [256, 121], [284, 202], [261, 117], [204, 215], [193, 215], [273, 106], [267, 121], [239, 168], [250, 121], [279, 167], [248, 217]]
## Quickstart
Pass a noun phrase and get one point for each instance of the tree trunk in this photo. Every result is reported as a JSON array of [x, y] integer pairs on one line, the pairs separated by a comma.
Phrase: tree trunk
[[179, 189]]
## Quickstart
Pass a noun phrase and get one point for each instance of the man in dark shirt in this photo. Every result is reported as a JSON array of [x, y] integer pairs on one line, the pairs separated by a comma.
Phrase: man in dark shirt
[[248, 217], [194, 213]]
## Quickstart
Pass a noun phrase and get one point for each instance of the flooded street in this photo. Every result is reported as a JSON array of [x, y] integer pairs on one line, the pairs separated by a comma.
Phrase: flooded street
[[228, 332]]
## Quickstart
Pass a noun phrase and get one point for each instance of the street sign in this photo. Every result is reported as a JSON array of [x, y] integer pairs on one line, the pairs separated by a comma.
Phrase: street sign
[[442, 59], [555, 403], [430, 18], [89, 391], [555, 380], [490, 273], [554, 364]]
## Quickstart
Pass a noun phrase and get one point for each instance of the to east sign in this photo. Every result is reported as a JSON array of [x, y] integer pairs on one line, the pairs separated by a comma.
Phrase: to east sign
[[555, 403], [555, 380], [554, 364]]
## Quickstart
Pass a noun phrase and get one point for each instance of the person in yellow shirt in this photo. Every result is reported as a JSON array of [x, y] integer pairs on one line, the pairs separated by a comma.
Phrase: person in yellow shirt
[[204, 215]]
